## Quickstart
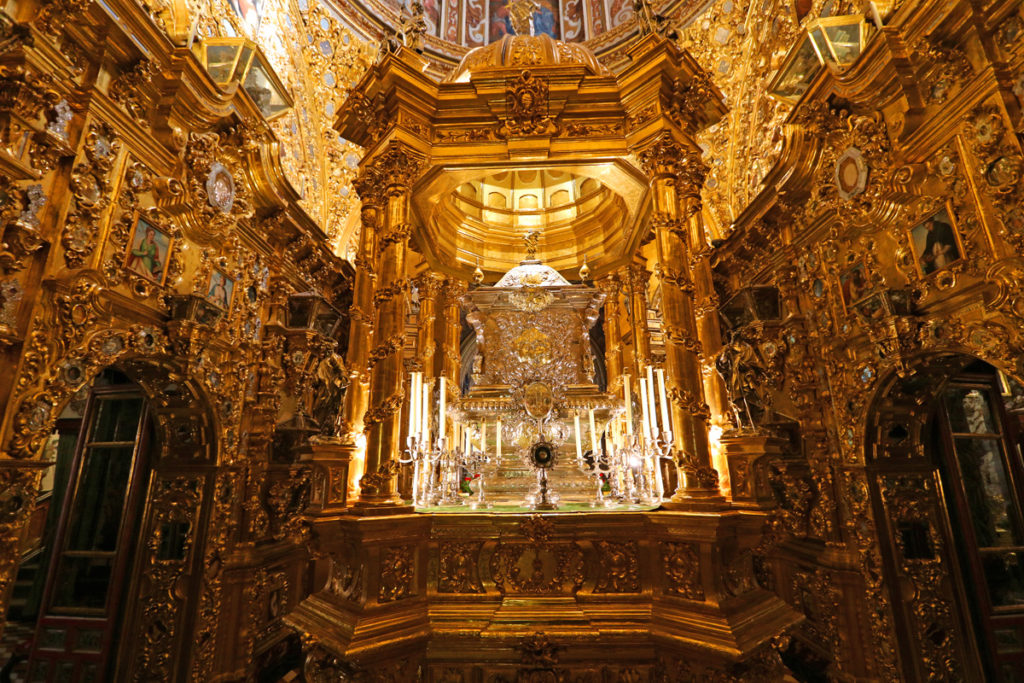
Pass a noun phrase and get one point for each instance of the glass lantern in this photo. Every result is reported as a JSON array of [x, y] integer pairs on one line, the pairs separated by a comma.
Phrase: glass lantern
[[240, 60], [800, 67], [838, 41]]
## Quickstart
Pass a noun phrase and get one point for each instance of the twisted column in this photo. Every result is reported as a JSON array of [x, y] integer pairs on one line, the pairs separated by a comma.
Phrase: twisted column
[[676, 175], [397, 168], [612, 336], [361, 312]]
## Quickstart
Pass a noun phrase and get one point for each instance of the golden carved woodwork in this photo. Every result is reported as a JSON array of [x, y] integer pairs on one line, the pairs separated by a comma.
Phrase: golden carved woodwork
[[108, 125]]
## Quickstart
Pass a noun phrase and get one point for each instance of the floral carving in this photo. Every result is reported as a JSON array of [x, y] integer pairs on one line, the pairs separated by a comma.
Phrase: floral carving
[[619, 569], [397, 574], [681, 564], [458, 568]]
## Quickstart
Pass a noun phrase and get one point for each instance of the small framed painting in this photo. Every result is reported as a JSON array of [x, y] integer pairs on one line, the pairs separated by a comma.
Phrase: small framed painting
[[936, 243], [148, 251], [220, 290], [854, 285]]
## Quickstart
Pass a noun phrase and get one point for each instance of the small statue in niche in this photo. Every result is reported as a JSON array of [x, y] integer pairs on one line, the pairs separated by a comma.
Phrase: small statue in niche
[[747, 377], [328, 390], [478, 369]]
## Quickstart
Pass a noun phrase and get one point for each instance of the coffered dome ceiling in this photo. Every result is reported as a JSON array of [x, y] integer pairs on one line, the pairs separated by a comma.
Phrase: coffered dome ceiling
[[456, 26]]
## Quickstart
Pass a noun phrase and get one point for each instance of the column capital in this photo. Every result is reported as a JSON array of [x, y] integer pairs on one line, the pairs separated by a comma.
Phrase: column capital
[[454, 290], [429, 284], [667, 158], [398, 167], [368, 186], [636, 277], [609, 285]]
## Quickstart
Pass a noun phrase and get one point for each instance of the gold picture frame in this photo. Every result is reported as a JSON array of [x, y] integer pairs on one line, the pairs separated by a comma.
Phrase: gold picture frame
[[149, 249], [935, 242]]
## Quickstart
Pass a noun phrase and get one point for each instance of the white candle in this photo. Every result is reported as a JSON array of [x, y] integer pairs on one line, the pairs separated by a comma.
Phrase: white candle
[[579, 446], [440, 413], [483, 437], [425, 411], [629, 404], [651, 405], [666, 424], [412, 404], [419, 404], [593, 434], [499, 439], [646, 431]]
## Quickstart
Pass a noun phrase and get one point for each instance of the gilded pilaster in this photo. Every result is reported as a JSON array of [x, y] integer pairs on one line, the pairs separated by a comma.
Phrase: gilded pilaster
[[397, 167], [677, 174]]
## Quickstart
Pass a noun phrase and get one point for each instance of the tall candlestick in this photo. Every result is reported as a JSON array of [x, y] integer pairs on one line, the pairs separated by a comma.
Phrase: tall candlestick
[[499, 440], [579, 446], [666, 425], [441, 431], [593, 434], [651, 405], [629, 404], [646, 431]]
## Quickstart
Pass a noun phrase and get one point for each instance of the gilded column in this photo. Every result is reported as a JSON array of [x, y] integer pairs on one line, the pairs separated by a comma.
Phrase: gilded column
[[429, 285], [361, 320], [612, 337], [637, 278], [452, 359], [397, 168], [676, 175], [709, 330]]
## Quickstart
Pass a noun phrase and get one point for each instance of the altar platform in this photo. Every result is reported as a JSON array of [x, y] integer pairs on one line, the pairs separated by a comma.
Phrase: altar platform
[[475, 594]]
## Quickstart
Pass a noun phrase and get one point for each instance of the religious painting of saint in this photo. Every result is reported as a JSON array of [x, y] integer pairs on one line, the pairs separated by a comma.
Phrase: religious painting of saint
[[854, 285], [220, 289], [545, 19], [936, 244], [148, 251]]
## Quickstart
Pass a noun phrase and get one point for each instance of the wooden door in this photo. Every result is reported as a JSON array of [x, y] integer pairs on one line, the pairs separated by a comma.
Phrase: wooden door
[[76, 635], [983, 477]]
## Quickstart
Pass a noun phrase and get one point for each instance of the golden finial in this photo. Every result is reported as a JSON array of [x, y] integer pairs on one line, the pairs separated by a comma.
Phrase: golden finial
[[584, 270], [478, 275], [520, 13]]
